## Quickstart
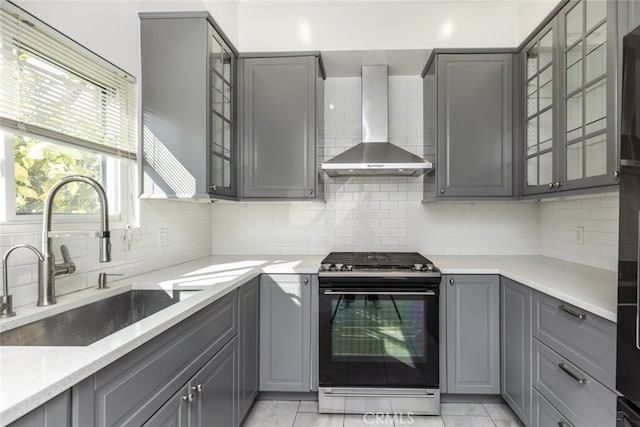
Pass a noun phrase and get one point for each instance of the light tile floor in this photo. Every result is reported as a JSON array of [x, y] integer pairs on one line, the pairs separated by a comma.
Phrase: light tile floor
[[280, 413]]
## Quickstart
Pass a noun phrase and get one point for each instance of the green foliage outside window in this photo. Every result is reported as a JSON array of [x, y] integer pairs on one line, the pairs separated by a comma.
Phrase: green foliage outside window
[[39, 165]]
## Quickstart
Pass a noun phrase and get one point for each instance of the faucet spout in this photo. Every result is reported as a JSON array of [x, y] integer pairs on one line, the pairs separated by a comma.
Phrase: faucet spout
[[6, 301], [46, 292]]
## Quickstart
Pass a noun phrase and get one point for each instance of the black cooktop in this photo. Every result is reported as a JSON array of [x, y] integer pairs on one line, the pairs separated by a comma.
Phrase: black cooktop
[[376, 260]]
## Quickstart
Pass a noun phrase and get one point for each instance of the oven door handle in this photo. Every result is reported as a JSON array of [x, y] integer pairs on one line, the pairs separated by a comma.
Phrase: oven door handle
[[348, 394], [331, 292]]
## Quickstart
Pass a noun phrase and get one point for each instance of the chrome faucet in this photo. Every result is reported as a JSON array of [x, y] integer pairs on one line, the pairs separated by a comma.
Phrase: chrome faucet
[[46, 287], [6, 301]]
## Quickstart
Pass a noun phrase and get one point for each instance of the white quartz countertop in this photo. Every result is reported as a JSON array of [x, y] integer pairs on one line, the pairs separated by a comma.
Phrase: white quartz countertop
[[30, 376], [592, 289]]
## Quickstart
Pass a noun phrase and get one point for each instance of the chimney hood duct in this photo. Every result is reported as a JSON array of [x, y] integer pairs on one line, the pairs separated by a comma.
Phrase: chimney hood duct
[[375, 156]]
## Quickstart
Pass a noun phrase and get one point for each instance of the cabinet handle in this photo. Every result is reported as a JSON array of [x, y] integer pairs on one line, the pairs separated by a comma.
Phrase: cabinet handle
[[306, 281], [451, 282], [442, 191], [552, 185], [562, 424], [197, 388], [566, 370], [572, 312], [214, 188], [558, 184], [616, 174], [310, 191], [188, 398]]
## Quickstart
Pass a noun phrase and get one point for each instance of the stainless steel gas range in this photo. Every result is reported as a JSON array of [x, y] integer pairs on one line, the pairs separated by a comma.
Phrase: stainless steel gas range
[[379, 333]]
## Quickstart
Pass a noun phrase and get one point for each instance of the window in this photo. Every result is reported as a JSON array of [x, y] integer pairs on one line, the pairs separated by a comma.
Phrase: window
[[63, 111]]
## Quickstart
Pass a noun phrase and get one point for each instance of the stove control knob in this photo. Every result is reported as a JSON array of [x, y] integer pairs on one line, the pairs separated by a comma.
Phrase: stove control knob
[[430, 267], [349, 267], [417, 267], [326, 266], [339, 267]]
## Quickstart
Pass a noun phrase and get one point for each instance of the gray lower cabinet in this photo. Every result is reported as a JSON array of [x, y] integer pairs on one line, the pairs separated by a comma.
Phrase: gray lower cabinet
[[545, 415], [285, 332], [468, 125], [473, 334], [515, 332], [131, 390], [249, 345], [54, 413], [282, 101], [208, 399]]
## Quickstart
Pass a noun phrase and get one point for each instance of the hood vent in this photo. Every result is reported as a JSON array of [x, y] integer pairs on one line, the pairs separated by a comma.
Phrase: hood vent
[[375, 156]]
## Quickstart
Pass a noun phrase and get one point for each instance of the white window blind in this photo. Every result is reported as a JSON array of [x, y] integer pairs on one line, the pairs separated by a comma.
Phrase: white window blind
[[54, 88]]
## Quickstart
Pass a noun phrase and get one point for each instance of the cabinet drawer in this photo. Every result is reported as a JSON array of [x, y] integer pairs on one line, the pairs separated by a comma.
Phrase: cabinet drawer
[[578, 396], [588, 342], [545, 415]]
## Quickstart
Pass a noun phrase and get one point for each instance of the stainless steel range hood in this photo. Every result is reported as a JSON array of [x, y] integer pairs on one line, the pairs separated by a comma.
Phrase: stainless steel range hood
[[375, 156]]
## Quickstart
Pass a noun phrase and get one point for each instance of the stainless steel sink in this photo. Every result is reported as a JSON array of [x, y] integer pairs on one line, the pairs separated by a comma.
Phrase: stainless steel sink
[[89, 323]]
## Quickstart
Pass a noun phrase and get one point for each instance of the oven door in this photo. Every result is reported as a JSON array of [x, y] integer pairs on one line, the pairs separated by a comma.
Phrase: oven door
[[377, 337]]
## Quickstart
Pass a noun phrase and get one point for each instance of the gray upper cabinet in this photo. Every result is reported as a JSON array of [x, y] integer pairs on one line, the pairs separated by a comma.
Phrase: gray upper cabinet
[[285, 332], [473, 334], [569, 121], [282, 100], [515, 332], [188, 107], [468, 125]]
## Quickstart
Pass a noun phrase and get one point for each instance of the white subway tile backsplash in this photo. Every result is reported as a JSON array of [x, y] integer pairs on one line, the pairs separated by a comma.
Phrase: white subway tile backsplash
[[188, 225]]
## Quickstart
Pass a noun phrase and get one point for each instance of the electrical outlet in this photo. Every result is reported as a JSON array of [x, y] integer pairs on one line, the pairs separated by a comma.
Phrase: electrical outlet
[[163, 237], [580, 235]]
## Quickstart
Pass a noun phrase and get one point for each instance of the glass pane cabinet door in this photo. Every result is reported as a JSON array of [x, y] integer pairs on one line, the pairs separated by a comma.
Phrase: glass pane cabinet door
[[221, 162], [540, 112], [584, 143]]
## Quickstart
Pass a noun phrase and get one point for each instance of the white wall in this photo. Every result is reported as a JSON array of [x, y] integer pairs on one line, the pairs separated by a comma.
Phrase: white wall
[[531, 13], [111, 28], [598, 217], [364, 25]]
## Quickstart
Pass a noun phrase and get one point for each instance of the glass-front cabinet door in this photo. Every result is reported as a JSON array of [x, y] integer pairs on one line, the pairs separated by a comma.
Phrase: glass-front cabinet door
[[588, 141], [540, 123], [222, 64], [569, 124]]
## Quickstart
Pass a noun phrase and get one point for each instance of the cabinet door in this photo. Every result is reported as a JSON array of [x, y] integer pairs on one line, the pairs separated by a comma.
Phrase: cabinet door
[[473, 334], [515, 310], [216, 390], [279, 96], [540, 58], [249, 342], [222, 149], [174, 413], [588, 142], [475, 125], [54, 413], [285, 331]]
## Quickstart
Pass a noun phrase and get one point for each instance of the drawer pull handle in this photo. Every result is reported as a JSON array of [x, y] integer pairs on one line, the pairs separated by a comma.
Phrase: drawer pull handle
[[572, 312], [580, 381], [188, 398]]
